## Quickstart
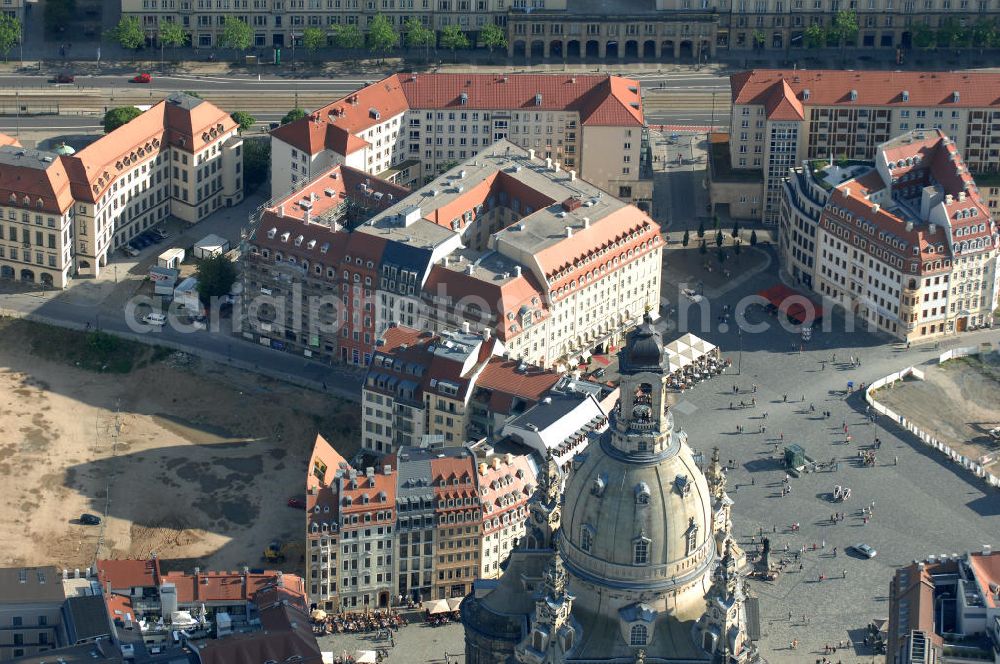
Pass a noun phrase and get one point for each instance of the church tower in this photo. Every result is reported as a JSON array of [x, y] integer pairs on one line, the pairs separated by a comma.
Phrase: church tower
[[722, 629], [543, 508], [552, 634]]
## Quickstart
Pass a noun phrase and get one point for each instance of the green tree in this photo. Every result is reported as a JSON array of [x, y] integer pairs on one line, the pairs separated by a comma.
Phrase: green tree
[[236, 34], [243, 119], [493, 36], [814, 36], [949, 34], [418, 35], [116, 117], [984, 33], [348, 36], [718, 238], [759, 38], [701, 229], [128, 33], [382, 37], [192, 93], [923, 35], [293, 115], [736, 230], [452, 38], [256, 161], [313, 38], [753, 238], [216, 276], [686, 238], [10, 34], [57, 15], [703, 248], [170, 33], [845, 28]]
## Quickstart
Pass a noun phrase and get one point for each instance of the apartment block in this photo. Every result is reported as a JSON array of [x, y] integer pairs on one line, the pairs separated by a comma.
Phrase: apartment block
[[64, 213], [408, 128], [449, 386], [945, 610], [323, 525], [904, 243], [783, 117], [31, 601], [506, 241]]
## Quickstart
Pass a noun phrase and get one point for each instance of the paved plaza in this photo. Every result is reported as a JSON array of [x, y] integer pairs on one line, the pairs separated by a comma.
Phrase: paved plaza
[[415, 642], [923, 505]]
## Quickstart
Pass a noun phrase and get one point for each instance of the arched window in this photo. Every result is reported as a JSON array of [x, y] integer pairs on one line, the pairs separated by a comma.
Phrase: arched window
[[640, 553], [637, 636]]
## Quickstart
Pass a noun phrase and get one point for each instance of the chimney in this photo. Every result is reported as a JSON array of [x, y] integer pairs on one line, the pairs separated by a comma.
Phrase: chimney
[[961, 196], [876, 207], [76, 573], [569, 231], [447, 261], [387, 469], [586, 222], [531, 155], [281, 210], [470, 269], [931, 229], [572, 176], [517, 270], [948, 199], [280, 580], [306, 216], [987, 549], [312, 195], [909, 226], [548, 163], [197, 571], [847, 192], [555, 166], [465, 327]]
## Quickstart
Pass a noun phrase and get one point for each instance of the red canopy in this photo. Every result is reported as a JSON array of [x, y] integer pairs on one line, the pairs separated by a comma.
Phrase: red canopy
[[795, 309]]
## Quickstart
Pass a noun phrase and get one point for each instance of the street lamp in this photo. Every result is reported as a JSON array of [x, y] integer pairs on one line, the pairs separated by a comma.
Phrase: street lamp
[[739, 361]]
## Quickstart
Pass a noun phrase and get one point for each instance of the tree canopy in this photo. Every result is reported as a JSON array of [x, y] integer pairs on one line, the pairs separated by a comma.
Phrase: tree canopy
[[313, 38], [10, 34], [116, 117], [453, 38], [216, 276], [171, 33], [243, 119], [814, 35], [236, 34], [417, 34], [382, 37], [293, 115], [348, 36], [128, 33], [493, 36]]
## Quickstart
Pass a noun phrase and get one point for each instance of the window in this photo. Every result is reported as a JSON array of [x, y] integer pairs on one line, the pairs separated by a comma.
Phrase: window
[[640, 553], [637, 636], [587, 539]]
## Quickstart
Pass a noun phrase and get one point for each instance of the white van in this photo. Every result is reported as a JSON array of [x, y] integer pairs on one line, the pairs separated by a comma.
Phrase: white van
[[154, 319]]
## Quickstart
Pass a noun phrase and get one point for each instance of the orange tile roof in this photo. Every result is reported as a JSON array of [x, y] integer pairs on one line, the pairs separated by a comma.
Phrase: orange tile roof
[[323, 463], [874, 88], [986, 568], [124, 574], [399, 335], [784, 105], [379, 483], [599, 99], [505, 381], [225, 587], [492, 488], [95, 167], [29, 176], [9, 140]]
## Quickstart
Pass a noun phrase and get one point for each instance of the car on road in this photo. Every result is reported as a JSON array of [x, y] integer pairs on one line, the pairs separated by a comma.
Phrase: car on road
[[154, 319], [141, 78], [63, 78], [865, 550], [160, 233], [692, 295], [90, 519], [129, 250], [273, 126]]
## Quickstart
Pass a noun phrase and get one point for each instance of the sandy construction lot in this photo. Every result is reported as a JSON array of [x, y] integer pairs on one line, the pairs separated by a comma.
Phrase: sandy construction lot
[[205, 459], [957, 402]]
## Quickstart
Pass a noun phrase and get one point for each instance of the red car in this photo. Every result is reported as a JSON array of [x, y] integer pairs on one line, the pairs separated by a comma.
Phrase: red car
[[297, 503], [142, 78], [63, 78]]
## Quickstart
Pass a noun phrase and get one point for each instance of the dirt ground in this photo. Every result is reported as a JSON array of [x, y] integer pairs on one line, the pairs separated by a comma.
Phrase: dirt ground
[[200, 470], [956, 402]]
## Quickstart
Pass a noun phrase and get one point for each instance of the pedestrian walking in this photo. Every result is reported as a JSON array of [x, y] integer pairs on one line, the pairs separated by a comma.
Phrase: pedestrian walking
[[834, 552], [844, 575], [755, 388], [730, 405], [784, 398], [812, 408], [895, 460], [753, 401]]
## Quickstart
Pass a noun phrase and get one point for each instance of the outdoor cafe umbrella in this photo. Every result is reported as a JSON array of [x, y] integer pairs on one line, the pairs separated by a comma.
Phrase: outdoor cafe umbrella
[[435, 606], [365, 657]]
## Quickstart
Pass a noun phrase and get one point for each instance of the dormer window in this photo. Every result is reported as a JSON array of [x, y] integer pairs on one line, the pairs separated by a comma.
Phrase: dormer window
[[690, 537], [598, 487], [586, 538], [642, 494], [640, 550], [638, 635]]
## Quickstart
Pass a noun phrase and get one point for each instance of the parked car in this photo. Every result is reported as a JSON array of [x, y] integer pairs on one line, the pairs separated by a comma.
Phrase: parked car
[[129, 250], [63, 77], [865, 550], [274, 125], [154, 319], [142, 78], [90, 519], [154, 238], [160, 233]]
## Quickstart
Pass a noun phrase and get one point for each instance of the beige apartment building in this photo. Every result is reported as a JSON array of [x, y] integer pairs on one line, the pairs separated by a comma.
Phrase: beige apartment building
[[64, 213], [664, 30], [408, 128], [782, 117], [904, 243], [31, 601]]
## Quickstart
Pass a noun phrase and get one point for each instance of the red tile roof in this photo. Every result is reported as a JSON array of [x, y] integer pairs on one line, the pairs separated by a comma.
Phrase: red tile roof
[[323, 463], [986, 567], [226, 587], [514, 480], [25, 179], [600, 100], [123, 574], [873, 88], [503, 379], [9, 140], [784, 105]]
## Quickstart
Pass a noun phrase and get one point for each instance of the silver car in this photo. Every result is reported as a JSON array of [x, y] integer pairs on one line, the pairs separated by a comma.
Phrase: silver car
[[865, 550]]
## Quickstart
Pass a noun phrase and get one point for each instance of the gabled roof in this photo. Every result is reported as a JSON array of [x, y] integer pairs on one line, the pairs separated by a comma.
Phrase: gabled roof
[[783, 105], [29, 176], [870, 88], [600, 100]]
